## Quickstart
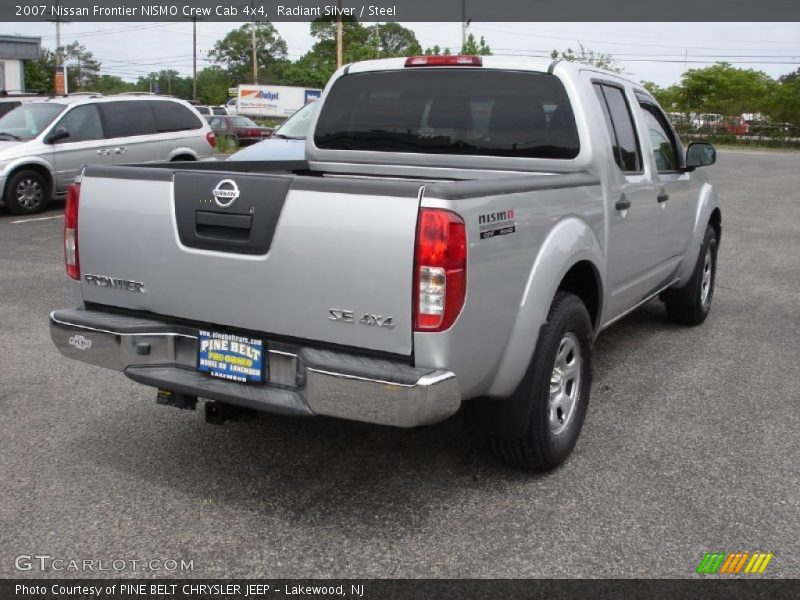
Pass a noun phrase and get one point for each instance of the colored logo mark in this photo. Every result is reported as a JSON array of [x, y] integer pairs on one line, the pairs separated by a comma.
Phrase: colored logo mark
[[734, 563]]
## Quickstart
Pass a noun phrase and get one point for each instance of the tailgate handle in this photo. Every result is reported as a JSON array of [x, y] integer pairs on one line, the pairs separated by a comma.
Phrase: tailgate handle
[[211, 219], [217, 226]]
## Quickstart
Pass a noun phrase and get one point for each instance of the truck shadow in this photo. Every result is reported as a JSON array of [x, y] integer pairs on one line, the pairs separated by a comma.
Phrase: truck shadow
[[325, 472]]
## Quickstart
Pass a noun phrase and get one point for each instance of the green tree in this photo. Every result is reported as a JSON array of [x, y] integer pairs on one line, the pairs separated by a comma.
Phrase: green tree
[[722, 88], [589, 57], [112, 84], [212, 85], [40, 73], [316, 66], [234, 52], [784, 104], [392, 39], [437, 51], [473, 47], [169, 82], [669, 97], [82, 68]]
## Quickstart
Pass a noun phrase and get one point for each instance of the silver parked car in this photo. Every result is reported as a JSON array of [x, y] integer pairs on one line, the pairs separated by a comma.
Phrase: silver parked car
[[43, 145], [288, 142]]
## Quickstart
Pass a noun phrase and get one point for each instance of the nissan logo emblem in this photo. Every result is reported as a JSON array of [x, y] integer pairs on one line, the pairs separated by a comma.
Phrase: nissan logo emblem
[[225, 193]]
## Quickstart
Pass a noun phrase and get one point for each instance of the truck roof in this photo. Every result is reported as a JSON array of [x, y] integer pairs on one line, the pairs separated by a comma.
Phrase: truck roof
[[516, 63]]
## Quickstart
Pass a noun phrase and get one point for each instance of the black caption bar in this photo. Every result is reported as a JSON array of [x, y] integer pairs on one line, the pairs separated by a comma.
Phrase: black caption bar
[[402, 10], [378, 589]]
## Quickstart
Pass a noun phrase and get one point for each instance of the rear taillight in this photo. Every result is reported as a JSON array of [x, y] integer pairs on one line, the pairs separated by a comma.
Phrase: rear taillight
[[444, 61], [71, 231], [440, 269], [211, 139]]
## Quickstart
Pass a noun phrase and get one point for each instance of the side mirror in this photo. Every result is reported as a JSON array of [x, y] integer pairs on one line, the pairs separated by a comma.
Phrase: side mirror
[[58, 134], [700, 154]]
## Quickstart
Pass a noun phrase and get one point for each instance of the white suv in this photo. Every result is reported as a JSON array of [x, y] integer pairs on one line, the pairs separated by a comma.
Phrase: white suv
[[43, 145]]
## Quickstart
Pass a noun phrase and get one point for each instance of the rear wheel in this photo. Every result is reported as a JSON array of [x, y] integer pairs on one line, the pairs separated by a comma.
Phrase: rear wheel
[[558, 390], [26, 193], [691, 304]]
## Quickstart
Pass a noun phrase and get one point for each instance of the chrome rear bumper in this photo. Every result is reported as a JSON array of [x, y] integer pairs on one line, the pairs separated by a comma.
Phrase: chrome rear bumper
[[302, 380]]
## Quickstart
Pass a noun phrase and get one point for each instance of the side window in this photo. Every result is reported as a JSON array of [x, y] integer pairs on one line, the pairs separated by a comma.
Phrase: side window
[[665, 151], [125, 118], [172, 116], [83, 123], [617, 112], [216, 123]]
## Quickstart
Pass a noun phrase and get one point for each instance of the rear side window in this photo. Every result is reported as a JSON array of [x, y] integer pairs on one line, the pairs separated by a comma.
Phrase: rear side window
[[621, 127], [172, 116], [450, 111], [126, 118]]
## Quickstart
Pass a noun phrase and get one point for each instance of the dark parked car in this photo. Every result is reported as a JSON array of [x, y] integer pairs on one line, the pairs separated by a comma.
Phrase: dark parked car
[[243, 129]]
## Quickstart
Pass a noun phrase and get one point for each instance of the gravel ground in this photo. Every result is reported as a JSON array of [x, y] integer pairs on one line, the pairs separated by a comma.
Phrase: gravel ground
[[691, 445]]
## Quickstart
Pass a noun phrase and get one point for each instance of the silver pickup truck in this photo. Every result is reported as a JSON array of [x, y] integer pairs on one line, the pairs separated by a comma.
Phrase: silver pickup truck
[[461, 231]]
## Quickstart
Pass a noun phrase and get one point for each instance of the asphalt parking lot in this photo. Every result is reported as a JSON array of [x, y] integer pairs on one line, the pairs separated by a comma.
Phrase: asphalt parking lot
[[691, 445]]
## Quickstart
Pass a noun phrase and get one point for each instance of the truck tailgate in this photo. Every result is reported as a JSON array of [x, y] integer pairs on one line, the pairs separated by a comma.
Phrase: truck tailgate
[[286, 252]]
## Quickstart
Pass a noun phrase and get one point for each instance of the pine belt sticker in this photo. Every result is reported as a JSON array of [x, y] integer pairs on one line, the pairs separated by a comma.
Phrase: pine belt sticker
[[496, 223]]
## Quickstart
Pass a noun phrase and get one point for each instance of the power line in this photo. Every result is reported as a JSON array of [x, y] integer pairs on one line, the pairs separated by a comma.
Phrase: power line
[[578, 39]]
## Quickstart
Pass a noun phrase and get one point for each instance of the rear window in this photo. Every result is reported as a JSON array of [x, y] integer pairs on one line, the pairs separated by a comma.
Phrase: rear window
[[172, 116], [8, 107], [242, 122], [127, 118], [450, 111]]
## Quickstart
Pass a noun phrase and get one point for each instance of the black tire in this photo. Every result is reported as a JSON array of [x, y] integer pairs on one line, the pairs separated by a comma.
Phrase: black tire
[[26, 193], [543, 447], [691, 304]]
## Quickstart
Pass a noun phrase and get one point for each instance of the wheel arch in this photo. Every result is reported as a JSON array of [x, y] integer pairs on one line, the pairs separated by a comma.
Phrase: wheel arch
[[708, 213], [182, 154], [43, 168], [569, 259]]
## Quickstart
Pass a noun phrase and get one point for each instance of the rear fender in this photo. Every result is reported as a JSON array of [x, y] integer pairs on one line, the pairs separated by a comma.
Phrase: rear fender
[[569, 242]]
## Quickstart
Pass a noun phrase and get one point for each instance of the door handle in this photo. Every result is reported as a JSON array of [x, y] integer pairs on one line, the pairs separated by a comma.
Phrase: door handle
[[663, 196], [623, 203], [104, 152], [120, 150]]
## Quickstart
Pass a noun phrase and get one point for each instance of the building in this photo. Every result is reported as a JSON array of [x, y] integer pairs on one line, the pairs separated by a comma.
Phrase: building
[[15, 49]]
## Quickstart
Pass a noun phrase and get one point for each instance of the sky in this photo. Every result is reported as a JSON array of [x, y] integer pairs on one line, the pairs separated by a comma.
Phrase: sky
[[658, 52]]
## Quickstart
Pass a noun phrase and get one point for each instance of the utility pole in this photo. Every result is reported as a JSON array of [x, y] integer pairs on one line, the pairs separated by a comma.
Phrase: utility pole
[[339, 32], [255, 55], [463, 23], [59, 62], [194, 59]]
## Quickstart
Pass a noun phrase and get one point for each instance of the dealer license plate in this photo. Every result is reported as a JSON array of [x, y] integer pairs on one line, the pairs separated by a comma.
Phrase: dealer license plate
[[233, 357]]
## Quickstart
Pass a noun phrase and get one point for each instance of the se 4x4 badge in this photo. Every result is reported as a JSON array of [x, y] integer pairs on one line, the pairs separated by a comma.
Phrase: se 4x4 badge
[[347, 316]]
